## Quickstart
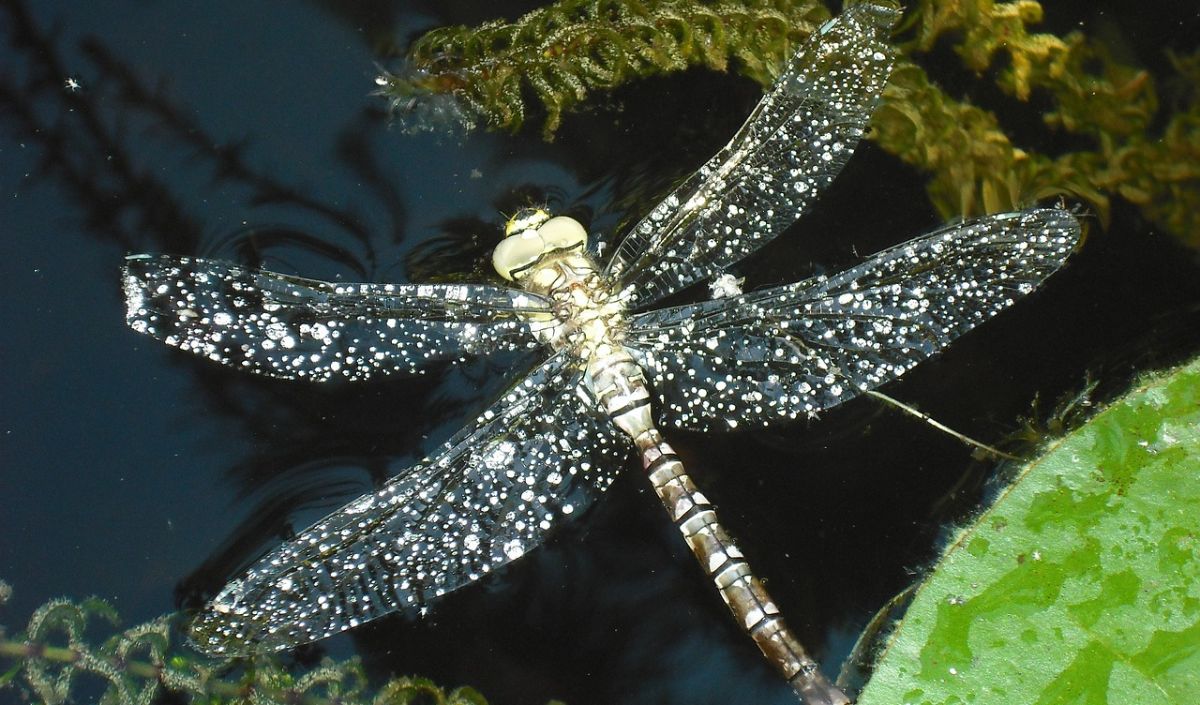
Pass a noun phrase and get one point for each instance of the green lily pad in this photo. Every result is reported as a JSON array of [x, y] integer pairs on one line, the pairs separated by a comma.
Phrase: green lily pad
[[1080, 585]]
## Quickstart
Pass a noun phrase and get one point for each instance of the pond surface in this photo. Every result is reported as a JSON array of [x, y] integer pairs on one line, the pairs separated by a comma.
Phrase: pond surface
[[246, 130]]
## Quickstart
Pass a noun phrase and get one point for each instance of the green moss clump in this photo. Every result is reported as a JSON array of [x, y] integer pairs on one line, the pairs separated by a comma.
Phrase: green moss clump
[[560, 55], [564, 52], [974, 167]]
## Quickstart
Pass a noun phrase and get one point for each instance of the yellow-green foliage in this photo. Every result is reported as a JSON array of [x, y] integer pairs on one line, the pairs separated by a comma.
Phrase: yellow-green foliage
[[55, 662], [571, 48], [974, 166], [563, 52]]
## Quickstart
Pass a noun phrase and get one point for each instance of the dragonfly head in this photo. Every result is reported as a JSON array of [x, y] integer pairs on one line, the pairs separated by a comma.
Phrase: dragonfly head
[[531, 235]]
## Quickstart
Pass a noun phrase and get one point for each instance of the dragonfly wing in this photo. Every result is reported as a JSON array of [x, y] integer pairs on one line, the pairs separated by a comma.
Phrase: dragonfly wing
[[792, 146], [798, 349], [495, 490], [291, 328]]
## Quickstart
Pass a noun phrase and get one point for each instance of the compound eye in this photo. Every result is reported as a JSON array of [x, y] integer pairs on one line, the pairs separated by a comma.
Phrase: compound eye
[[525, 219], [563, 233], [516, 253]]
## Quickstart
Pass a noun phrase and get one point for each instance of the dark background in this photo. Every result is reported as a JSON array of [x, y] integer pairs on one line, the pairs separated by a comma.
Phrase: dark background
[[246, 130]]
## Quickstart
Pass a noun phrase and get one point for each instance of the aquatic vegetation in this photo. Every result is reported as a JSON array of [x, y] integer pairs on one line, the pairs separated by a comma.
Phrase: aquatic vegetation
[[560, 55], [1079, 582], [975, 167], [566, 51], [57, 660]]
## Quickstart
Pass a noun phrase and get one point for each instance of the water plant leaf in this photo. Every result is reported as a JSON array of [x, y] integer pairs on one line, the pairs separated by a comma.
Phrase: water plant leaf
[[1081, 583]]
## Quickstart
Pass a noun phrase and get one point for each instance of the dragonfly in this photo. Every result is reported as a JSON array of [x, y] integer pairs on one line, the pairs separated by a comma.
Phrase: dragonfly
[[615, 366]]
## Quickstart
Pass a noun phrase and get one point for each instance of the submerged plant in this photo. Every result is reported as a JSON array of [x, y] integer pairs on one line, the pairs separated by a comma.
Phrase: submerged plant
[[560, 55], [56, 660]]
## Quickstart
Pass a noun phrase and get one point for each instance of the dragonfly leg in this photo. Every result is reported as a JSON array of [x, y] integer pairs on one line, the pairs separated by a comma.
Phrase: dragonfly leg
[[721, 559]]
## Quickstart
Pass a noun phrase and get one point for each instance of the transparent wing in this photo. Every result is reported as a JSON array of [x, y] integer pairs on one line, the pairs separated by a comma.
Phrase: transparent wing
[[497, 487], [288, 327], [791, 147], [795, 350]]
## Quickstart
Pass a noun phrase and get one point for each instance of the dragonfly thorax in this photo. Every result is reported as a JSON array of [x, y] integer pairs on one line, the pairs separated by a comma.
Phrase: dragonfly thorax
[[547, 256]]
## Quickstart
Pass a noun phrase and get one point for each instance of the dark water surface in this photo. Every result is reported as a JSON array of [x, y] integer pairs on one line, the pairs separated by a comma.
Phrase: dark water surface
[[245, 130]]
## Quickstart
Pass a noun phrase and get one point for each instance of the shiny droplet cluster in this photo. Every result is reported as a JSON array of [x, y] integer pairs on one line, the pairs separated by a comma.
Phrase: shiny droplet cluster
[[795, 350], [494, 490], [294, 328]]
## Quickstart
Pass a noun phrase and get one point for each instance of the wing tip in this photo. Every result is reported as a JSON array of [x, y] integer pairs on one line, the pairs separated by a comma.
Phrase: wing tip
[[135, 290], [879, 16], [228, 635], [208, 633], [1054, 218], [234, 623]]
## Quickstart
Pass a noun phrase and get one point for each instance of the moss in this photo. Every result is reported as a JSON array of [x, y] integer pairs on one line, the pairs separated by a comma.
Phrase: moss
[[973, 165], [140, 665], [560, 55]]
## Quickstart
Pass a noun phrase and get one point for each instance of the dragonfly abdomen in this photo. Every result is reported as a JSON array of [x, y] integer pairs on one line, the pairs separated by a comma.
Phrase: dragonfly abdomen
[[725, 565], [617, 383]]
